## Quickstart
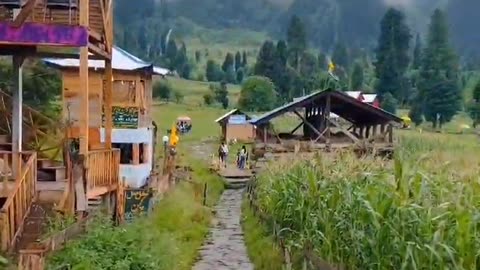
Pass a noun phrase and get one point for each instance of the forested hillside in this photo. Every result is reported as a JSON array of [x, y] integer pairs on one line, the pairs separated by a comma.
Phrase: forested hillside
[[141, 24]]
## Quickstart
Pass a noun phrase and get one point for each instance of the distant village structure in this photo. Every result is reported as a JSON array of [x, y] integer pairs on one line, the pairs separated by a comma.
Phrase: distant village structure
[[235, 126]]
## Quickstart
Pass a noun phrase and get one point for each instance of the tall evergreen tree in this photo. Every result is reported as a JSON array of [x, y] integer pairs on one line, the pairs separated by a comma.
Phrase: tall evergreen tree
[[474, 106], [356, 80], [213, 71], [171, 54], [439, 74], [417, 53], [238, 61], [322, 61], [228, 63], [392, 55], [340, 56], [282, 52], [244, 59], [297, 40], [266, 60]]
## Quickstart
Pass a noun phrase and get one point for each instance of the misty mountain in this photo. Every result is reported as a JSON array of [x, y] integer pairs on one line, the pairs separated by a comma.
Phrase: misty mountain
[[353, 22]]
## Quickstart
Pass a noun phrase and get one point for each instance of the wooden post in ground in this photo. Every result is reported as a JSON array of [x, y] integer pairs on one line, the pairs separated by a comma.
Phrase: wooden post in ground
[[107, 107], [84, 91], [17, 114]]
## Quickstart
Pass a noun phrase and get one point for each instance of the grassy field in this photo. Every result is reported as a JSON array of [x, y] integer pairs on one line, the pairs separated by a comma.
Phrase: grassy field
[[417, 212], [193, 91]]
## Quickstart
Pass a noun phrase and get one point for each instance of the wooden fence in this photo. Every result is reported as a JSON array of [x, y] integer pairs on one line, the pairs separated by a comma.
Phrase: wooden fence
[[18, 203], [103, 170]]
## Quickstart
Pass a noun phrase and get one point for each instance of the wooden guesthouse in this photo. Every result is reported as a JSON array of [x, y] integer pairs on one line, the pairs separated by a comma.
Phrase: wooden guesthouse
[[133, 131], [81, 30], [235, 126], [357, 122]]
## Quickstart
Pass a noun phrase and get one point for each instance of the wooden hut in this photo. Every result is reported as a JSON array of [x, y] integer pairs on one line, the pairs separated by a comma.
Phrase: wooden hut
[[133, 131], [359, 124], [235, 126]]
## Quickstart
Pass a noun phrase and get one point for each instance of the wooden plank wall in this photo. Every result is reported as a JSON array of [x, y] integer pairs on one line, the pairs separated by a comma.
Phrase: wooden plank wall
[[134, 91]]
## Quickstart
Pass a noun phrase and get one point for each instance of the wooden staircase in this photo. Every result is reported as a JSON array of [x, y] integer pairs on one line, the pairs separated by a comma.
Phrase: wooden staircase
[[28, 200]]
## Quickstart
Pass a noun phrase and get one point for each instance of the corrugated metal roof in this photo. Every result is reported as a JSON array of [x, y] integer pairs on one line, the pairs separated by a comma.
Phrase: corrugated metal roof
[[352, 101], [354, 94], [121, 60], [226, 115], [369, 98]]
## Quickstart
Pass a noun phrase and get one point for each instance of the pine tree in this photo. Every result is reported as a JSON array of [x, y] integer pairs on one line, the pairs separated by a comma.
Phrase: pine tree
[[474, 107], [392, 55], [228, 63], [416, 113], [356, 80], [389, 103], [238, 61], [417, 53], [439, 74], [244, 59], [297, 40], [282, 52], [322, 61], [266, 60], [213, 72], [340, 56], [171, 54]]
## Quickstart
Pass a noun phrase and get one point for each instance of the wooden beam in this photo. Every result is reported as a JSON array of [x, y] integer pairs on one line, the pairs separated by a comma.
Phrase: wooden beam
[[320, 134], [84, 91], [17, 114], [98, 51], [344, 131], [95, 35], [296, 128], [106, 25], [136, 153], [327, 115], [26, 10], [390, 133], [108, 103]]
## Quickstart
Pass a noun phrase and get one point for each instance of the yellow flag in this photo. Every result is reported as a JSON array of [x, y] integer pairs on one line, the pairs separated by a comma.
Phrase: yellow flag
[[173, 136], [331, 67]]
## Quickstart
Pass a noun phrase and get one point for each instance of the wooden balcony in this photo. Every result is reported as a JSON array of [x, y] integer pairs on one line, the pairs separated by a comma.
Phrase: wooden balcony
[[19, 200]]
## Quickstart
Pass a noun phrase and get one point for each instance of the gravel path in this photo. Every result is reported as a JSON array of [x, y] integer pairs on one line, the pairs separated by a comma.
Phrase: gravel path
[[224, 249]]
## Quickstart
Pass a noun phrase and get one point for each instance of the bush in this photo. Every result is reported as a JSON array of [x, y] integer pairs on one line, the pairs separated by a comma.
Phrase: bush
[[257, 94], [179, 96], [208, 99], [162, 90]]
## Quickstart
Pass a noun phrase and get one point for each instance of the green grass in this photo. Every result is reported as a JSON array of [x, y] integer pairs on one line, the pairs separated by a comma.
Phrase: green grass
[[167, 239], [193, 91], [264, 253]]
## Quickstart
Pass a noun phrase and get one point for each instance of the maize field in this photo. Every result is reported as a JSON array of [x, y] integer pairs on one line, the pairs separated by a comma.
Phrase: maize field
[[417, 211]]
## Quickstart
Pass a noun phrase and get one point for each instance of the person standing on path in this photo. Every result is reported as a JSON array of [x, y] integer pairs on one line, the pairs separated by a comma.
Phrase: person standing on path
[[223, 154], [243, 157]]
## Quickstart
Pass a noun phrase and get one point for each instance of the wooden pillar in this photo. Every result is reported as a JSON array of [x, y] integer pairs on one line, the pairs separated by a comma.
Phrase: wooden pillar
[[17, 114], [390, 133], [367, 132], [84, 92], [108, 103], [327, 116], [265, 134], [136, 153]]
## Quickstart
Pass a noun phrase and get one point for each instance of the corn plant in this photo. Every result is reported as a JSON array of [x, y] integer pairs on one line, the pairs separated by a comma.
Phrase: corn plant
[[419, 211]]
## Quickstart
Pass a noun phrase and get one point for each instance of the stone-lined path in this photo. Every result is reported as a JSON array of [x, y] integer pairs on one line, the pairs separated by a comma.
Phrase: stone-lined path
[[224, 248]]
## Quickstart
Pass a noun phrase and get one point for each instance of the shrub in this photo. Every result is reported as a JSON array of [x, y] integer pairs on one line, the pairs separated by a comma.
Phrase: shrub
[[162, 90], [179, 96], [208, 99]]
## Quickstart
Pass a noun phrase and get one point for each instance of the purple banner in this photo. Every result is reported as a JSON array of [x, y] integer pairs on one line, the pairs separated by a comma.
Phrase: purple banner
[[44, 34]]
